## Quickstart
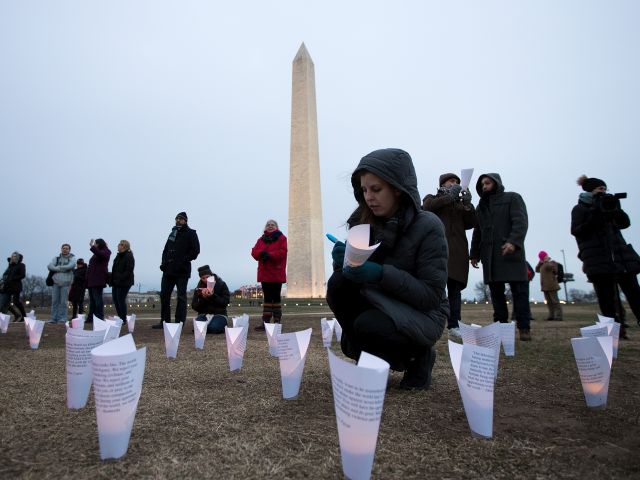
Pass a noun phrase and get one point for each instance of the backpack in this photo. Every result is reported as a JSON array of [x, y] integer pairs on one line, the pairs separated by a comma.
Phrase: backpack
[[560, 274], [530, 272]]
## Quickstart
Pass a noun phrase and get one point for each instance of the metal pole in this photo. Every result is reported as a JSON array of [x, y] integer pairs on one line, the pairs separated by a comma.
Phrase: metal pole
[[564, 263]]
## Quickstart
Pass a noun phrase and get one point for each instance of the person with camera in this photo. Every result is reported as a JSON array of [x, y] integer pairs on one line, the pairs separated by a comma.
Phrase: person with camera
[[608, 260]]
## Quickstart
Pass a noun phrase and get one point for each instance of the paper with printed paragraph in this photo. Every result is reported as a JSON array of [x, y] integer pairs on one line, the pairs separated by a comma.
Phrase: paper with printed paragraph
[[358, 398], [594, 356], [474, 366], [327, 327], [172, 333], [508, 338], [489, 336], [78, 346], [273, 330], [118, 372], [292, 353], [358, 250], [613, 329], [236, 346]]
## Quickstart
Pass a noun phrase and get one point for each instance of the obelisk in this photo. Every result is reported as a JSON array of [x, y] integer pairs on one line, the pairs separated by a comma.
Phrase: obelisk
[[305, 265]]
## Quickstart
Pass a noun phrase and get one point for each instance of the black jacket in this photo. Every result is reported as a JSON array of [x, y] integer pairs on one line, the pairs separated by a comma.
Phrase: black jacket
[[122, 269], [79, 284], [13, 275], [216, 303], [601, 246], [179, 253]]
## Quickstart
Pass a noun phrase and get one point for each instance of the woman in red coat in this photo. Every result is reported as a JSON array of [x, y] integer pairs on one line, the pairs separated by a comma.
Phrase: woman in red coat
[[270, 251]]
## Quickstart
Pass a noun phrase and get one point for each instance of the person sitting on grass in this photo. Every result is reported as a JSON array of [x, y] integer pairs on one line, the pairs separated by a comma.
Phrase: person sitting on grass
[[212, 301]]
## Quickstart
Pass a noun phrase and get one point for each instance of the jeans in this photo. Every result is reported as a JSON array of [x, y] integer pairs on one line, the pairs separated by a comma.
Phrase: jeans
[[454, 292], [364, 328], [96, 303], [521, 308], [166, 288], [119, 295], [59, 303], [216, 325]]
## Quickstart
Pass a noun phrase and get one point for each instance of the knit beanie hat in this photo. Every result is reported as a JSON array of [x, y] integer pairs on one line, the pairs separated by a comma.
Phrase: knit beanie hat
[[204, 270], [589, 184], [448, 176], [182, 215], [542, 255]]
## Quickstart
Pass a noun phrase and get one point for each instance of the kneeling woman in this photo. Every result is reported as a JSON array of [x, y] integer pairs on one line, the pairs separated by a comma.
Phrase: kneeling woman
[[394, 305]]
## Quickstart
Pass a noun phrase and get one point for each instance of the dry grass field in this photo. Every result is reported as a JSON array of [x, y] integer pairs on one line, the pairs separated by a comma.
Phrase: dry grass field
[[196, 419]]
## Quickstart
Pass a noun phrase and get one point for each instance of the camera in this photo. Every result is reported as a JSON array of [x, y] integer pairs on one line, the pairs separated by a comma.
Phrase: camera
[[609, 202]]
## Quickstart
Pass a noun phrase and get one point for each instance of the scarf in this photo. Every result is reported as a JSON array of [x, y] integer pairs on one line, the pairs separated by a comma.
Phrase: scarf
[[174, 233]]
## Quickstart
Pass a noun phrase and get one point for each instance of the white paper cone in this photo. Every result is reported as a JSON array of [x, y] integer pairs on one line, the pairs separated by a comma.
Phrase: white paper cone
[[488, 337], [473, 366], [241, 321], [211, 282], [358, 398], [32, 314], [78, 322], [78, 346], [273, 330], [236, 345], [357, 249], [338, 328], [172, 333], [131, 322], [35, 333], [117, 391], [508, 338], [594, 356], [465, 177], [199, 332], [4, 322], [292, 353], [613, 329], [327, 327]]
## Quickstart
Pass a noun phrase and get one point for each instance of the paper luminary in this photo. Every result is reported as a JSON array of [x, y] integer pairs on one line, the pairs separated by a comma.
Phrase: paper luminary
[[78, 322], [32, 314], [172, 333], [27, 323], [273, 330], [488, 336], [211, 282], [292, 353], [34, 331], [131, 322], [358, 250], [241, 321], [236, 346], [327, 327], [113, 330], [118, 371], [594, 356], [338, 328], [474, 367], [613, 329], [200, 332], [79, 344], [508, 338], [358, 398], [4, 322], [465, 177]]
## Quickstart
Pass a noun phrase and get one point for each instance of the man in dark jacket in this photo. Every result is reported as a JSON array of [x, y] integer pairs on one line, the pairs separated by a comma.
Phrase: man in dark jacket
[[453, 207], [606, 257], [498, 242], [12, 286], [211, 301], [181, 249]]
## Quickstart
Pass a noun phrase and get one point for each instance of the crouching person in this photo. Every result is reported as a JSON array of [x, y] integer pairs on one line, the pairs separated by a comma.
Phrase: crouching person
[[393, 306], [208, 301]]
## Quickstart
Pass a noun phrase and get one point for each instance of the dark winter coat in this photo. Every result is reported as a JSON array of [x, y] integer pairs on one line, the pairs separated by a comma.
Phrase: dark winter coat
[[179, 253], [122, 269], [502, 217], [216, 303], [413, 253], [79, 285], [455, 220], [98, 271], [13, 276], [274, 268], [601, 246]]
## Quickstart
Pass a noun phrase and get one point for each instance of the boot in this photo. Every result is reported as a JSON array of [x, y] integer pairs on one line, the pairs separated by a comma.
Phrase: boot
[[525, 335], [418, 373], [18, 317], [266, 317], [623, 332], [277, 312]]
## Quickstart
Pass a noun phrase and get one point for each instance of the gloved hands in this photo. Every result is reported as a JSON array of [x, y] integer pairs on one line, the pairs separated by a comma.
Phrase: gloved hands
[[454, 191], [264, 255], [369, 272], [338, 253], [466, 197]]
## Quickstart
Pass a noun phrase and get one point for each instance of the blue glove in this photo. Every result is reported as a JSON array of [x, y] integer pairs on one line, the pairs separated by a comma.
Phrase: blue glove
[[368, 272], [338, 253]]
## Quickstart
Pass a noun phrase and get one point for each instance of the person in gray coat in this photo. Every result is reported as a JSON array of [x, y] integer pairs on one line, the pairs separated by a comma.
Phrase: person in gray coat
[[394, 305], [62, 266], [498, 242]]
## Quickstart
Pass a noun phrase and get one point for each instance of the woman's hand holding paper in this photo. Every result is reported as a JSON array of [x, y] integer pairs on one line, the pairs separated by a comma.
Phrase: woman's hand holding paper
[[368, 272]]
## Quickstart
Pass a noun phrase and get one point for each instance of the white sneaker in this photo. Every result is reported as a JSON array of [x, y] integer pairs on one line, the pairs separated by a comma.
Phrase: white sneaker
[[455, 332]]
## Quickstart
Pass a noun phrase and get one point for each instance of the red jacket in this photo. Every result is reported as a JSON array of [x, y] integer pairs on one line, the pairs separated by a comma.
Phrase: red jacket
[[273, 269]]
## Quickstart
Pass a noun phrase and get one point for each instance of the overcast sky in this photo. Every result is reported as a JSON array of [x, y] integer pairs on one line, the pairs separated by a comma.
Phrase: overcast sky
[[115, 116]]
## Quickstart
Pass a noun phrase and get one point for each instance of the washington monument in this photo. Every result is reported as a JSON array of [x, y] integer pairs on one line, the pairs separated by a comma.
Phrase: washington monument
[[305, 266]]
